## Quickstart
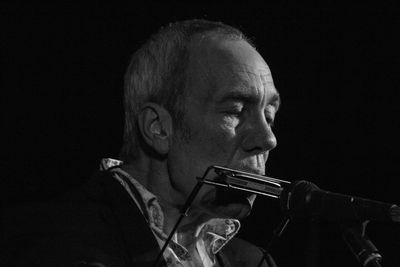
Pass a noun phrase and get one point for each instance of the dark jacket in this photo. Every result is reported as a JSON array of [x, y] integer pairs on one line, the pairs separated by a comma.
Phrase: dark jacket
[[96, 225]]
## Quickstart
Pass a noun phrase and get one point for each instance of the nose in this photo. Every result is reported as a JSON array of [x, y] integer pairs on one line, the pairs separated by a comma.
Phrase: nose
[[259, 137]]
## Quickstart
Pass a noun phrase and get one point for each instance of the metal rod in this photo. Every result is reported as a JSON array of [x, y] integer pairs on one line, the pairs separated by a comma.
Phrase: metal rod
[[240, 188], [271, 187], [251, 175], [183, 213]]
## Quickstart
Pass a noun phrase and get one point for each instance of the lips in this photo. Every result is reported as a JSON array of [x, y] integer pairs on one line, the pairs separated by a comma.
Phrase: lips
[[254, 167], [252, 170]]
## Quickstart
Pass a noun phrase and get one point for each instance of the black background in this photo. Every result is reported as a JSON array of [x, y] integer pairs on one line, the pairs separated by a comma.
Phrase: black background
[[62, 69]]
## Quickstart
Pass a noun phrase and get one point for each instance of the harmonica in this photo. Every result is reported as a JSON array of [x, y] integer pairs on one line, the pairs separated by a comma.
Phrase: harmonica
[[244, 181]]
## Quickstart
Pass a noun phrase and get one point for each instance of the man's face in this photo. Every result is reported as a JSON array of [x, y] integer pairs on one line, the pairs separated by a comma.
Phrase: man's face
[[230, 107]]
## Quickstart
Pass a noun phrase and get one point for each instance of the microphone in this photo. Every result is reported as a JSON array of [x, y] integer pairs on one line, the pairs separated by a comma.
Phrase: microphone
[[303, 199]]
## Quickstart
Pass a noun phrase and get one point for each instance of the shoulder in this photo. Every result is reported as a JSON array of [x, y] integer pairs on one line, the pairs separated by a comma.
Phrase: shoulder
[[78, 225], [66, 212], [239, 252]]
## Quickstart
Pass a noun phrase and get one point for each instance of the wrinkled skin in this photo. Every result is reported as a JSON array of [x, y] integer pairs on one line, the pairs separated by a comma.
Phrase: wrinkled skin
[[230, 108]]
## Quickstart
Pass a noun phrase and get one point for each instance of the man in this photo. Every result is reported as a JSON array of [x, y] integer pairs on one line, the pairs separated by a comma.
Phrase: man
[[196, 94]]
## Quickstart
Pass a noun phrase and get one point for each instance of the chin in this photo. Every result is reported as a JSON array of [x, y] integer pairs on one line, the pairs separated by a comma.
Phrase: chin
[[234, 210], [227, 203]]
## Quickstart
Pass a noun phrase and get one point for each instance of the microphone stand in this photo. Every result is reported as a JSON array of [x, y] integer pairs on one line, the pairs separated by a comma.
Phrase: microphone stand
[[353, 235], [276, 234], [183, 212], [360, 245]]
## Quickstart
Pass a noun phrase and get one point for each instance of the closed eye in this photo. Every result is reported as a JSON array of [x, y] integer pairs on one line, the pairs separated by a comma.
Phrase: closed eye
[[271, 122], [270, 118], [236, 110], [236, 113]]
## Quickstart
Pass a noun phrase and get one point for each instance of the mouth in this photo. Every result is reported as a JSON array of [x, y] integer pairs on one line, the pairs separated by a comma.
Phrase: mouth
[[249, 169], [253, 171]]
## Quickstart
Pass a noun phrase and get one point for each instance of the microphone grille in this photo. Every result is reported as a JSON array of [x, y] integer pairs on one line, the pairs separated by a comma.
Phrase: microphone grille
[[295, 198], [395, 213]]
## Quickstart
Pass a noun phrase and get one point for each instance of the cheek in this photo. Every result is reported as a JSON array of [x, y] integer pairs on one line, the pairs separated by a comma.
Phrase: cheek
[[219, 141], [213, 139], [229, 123]]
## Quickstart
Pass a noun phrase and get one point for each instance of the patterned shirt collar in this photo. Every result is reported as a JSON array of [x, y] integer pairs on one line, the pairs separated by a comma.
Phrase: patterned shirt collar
[[210, 237]]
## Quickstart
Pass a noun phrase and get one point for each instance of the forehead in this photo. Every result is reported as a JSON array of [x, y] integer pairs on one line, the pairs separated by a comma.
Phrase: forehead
[[220, 66]]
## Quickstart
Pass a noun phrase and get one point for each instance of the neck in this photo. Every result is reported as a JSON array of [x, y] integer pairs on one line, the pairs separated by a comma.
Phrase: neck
[[153, 175]]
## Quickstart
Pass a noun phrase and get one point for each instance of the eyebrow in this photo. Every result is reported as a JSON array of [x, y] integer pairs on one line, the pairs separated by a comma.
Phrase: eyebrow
[[275, 99]]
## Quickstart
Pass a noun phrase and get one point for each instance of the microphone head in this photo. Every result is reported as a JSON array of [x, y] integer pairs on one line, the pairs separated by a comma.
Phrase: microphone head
[[294, 199], [395, 213], [304, 200]]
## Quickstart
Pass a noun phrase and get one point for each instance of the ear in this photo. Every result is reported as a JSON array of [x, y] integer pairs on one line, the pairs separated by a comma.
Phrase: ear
[[155, 125]]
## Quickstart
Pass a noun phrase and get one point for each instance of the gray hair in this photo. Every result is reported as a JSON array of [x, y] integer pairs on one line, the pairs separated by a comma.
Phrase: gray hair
[[157, 73]]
